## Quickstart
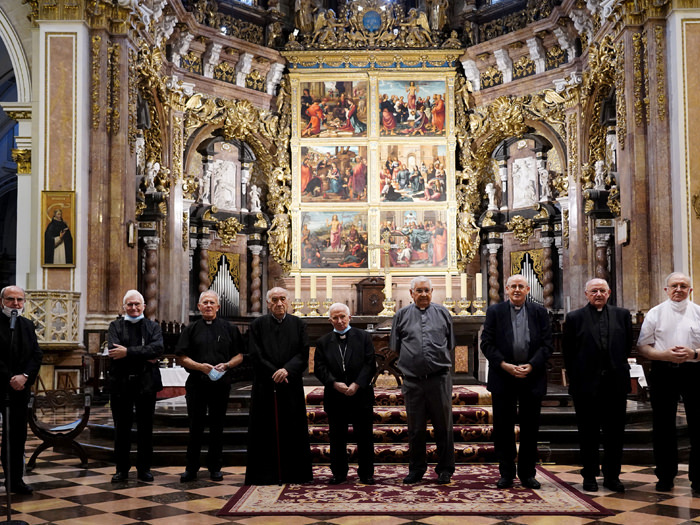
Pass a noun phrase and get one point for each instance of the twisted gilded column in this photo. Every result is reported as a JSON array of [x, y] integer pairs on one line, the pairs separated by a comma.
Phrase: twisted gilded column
[[255, 281], [547, 272], [150, 277], [602, 269], [494, 284], [204, 283]]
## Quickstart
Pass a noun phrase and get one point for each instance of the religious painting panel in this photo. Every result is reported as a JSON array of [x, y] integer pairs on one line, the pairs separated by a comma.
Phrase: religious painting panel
[[412, 172], [333, 239], [412, 108], [333, 173], [58, 221], [333, 108], [417, 238]]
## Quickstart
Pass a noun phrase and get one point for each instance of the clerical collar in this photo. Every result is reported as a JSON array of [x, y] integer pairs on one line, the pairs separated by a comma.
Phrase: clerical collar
[[208, 321], [516, 307], [279, 321]]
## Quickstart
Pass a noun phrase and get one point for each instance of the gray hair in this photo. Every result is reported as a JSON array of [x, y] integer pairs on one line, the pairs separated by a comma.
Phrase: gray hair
[[272, 290], [129, 293], [208, 292], [420, 279], [677, 274], [516, 276], [2, 292], [596, 279], [335, 306]]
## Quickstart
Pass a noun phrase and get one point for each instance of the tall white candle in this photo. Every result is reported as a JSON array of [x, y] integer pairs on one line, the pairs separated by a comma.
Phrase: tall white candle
[[479, 289], [329, 286], [463, 285], [448, 285], [387, 286], [568, 304], [297, 286], [312, 288]]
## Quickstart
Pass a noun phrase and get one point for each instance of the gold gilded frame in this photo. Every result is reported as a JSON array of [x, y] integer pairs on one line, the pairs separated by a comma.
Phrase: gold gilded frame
[[57, 235]]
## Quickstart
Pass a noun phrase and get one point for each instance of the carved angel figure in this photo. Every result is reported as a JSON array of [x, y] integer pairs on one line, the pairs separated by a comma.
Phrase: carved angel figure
[[303, 17], [254, 198], [438, 13], [467, 237], [280, 233], [325, 29], [599, 178], [491, 193], [418, 28]]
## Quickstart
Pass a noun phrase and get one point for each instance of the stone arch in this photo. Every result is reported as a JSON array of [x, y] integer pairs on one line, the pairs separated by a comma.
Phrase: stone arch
[[15, 49]]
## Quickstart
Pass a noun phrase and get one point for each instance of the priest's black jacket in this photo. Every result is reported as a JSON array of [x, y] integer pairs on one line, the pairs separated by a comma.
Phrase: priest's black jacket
[[278, 432]]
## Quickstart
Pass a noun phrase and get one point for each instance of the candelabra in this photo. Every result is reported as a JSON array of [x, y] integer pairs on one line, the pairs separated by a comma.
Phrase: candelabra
[[479, 305], [464, 307], [313, 304], [389, 304], [449, 303], [327, 307], [297, 305]]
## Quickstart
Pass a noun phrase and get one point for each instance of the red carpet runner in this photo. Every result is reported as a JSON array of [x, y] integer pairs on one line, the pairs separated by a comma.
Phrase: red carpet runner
[[472, 491]]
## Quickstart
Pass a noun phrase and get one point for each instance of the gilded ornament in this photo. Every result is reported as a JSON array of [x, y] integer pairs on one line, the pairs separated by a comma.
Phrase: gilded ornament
[[190, 185], [261, 222], [140, 208], [638, 62], [620, 98], [542, 212], [23, 158], [95, 80], [113, 87], [522, 228], [537, 257], [523, 67], [660, 41], [228, 229], [467, 239], [488, 220], [185, 230], [614, 201]]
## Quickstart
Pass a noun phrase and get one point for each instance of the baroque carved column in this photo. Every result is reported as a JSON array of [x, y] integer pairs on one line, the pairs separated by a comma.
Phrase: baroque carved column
[[602, 269], [547, 272], [150, 277], [494, 284], [204, 283], [255, 281]]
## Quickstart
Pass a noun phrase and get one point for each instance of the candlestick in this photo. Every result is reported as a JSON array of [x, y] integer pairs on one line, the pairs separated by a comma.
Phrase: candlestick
[[479, 289], [568, 304], [448, 285], [329, 286], [463, 285], [312, 288], [297, 286], [387, 286]]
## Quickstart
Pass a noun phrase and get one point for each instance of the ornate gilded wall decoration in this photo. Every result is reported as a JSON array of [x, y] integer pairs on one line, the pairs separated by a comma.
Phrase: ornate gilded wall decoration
[[112, 116], [660, 41], [620, 98], [523, 67], [638, 47], [190, 185], [226, 72], [206, 12], [185, 230], [133, 99], [537, 260], [228, 229], [467, 239], [255, 81], [23, 158], [522, 228], [491, 77], [534, 11], [177, 146], [192, 63], [555, 57], [614, 201], [645, 67], [488, 220], [565, 230], [95, 81]]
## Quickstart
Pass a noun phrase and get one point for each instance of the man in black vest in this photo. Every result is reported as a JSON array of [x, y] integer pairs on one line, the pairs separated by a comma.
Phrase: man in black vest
[[344, 362], [597, 342]]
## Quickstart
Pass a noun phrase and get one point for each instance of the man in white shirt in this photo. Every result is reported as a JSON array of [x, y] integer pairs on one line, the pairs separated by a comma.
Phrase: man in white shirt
[[670, 337]]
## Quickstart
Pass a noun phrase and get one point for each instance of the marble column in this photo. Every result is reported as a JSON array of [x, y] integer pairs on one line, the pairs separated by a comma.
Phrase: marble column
[[255, 281], [547, 272], [494, 274], [602, 268], [150, 277], [203, 281]]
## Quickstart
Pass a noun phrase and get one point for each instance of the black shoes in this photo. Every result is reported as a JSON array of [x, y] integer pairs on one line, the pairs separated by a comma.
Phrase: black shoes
[[413, 477], [444, 478], [614, 484], [367, 481], [531, 483], [188, 476], [20, 487], [664, 486], [590, 485], [504, 483], [216, 476], [144, 476], [121, 476], [337, 480]]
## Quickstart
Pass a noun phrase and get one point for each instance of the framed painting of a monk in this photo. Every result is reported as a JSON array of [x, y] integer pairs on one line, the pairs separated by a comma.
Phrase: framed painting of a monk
[[333, 174], [412, 173], [333, 239], [333, 109], [58, 220], [412, 108], [418, 238]]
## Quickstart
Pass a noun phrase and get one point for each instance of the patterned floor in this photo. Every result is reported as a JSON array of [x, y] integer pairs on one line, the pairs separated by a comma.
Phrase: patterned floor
[[67, 494]]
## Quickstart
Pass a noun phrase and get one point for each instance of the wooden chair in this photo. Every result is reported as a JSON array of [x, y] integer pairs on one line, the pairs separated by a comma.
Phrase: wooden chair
[[60, 405]]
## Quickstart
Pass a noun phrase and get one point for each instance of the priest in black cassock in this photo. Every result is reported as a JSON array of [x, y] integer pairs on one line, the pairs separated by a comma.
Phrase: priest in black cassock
[[278, 434]]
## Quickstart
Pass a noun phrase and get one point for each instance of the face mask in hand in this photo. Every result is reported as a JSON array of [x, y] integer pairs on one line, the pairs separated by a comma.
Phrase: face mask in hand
[[215, 375]]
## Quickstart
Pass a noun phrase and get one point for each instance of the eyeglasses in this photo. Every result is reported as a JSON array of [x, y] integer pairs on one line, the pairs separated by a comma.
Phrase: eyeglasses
[[132, 305]]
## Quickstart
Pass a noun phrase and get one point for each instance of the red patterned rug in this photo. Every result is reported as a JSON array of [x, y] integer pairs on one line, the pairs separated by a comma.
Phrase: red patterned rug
[[472, 491]]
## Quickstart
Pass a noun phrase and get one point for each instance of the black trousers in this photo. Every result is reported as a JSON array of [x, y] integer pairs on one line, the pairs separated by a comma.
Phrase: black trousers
[[18, 433], [342, 412], [127, 406], [668, 385], [206, 398], [519, 406], [604, 411]]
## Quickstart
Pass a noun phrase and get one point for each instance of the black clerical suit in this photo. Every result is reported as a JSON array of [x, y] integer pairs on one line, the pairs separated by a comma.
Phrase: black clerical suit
[[278, 432], [132, 383], [25, 359], [595, 347], [348, 358], [211, 342], [511, 395]]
